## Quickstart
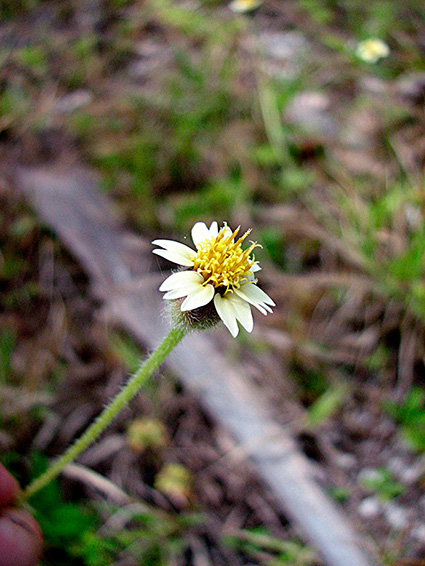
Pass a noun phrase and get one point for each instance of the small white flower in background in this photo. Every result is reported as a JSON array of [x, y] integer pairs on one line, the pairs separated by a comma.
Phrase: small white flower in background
[[244, 6], [371, 50], [220, 271]]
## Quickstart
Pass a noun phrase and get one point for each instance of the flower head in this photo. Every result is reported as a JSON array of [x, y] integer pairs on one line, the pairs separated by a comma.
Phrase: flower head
[[371, 50], [220, 274], [244, 6]]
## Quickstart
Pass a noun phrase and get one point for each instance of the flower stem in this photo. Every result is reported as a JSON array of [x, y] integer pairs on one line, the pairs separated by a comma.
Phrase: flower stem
[[136, 381]]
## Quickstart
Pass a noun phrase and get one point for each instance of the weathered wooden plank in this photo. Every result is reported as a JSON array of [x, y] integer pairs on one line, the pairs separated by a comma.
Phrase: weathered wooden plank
[[71, 205]]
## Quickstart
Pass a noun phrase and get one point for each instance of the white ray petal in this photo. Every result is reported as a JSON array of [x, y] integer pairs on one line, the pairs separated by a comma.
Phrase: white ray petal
[[177, 294], [265, 307], [254, 293], [242, 311], [226, 312], [200, 233], [201, 296], [175, 252], [175, 258], [253, 298], [214, 229], [181, 279], [262, 309], [172, 245], [227, 231], [183, 291], [255, 267]]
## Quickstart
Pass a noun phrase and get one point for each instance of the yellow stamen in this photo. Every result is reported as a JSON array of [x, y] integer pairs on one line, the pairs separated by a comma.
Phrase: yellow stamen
[[222, 262]]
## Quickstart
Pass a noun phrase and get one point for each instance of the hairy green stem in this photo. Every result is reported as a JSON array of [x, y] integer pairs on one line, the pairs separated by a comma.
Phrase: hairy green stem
[[136, 381]]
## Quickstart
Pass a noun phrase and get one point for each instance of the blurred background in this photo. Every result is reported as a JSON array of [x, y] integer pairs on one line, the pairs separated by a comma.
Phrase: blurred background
[[303, 120]]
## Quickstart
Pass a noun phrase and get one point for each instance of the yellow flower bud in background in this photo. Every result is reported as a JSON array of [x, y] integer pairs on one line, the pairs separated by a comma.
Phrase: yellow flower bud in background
[[244, 6], [146, 433], [371, 50], [175, 481]]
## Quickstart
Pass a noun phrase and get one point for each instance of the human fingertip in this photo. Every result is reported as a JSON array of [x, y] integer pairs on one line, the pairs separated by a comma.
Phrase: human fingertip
[[9, 487], [21, 540]]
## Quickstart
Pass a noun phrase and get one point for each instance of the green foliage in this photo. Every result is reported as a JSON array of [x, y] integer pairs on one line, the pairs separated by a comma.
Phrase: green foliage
[[320, 12], [15, 105], [273, 242], [258, 542], [381, 482], [32, 58], [10, 9], [71, 530], [125, 349], [7, 346], [312, 383], [385, 235], [195, 23], [147, 538], [172, 134], [63, 523], [410, 415], [327, 404], [378, 359], [341, 494], [279, 154], [95, 550], [219, 198]]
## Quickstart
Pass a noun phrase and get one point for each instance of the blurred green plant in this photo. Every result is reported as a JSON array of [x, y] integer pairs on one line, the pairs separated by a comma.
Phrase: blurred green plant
[[383, 234], [219, 198], [143, 537], [172, 135], [7, 347], [341, 494], [320, 12], [15, 106], [382, 483], [125, 348], [63, 523], [312, 382], [259, 544], [33, 58], [393, 22], [72, 532], [10, 9], [410, 415], [327, 404]]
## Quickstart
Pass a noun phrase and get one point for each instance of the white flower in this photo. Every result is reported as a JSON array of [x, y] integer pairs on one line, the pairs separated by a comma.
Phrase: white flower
[[219, 271], [244, 6], [371, 50]]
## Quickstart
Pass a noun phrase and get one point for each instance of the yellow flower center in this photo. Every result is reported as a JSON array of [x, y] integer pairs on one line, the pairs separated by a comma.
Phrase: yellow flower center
[[221, 260]]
